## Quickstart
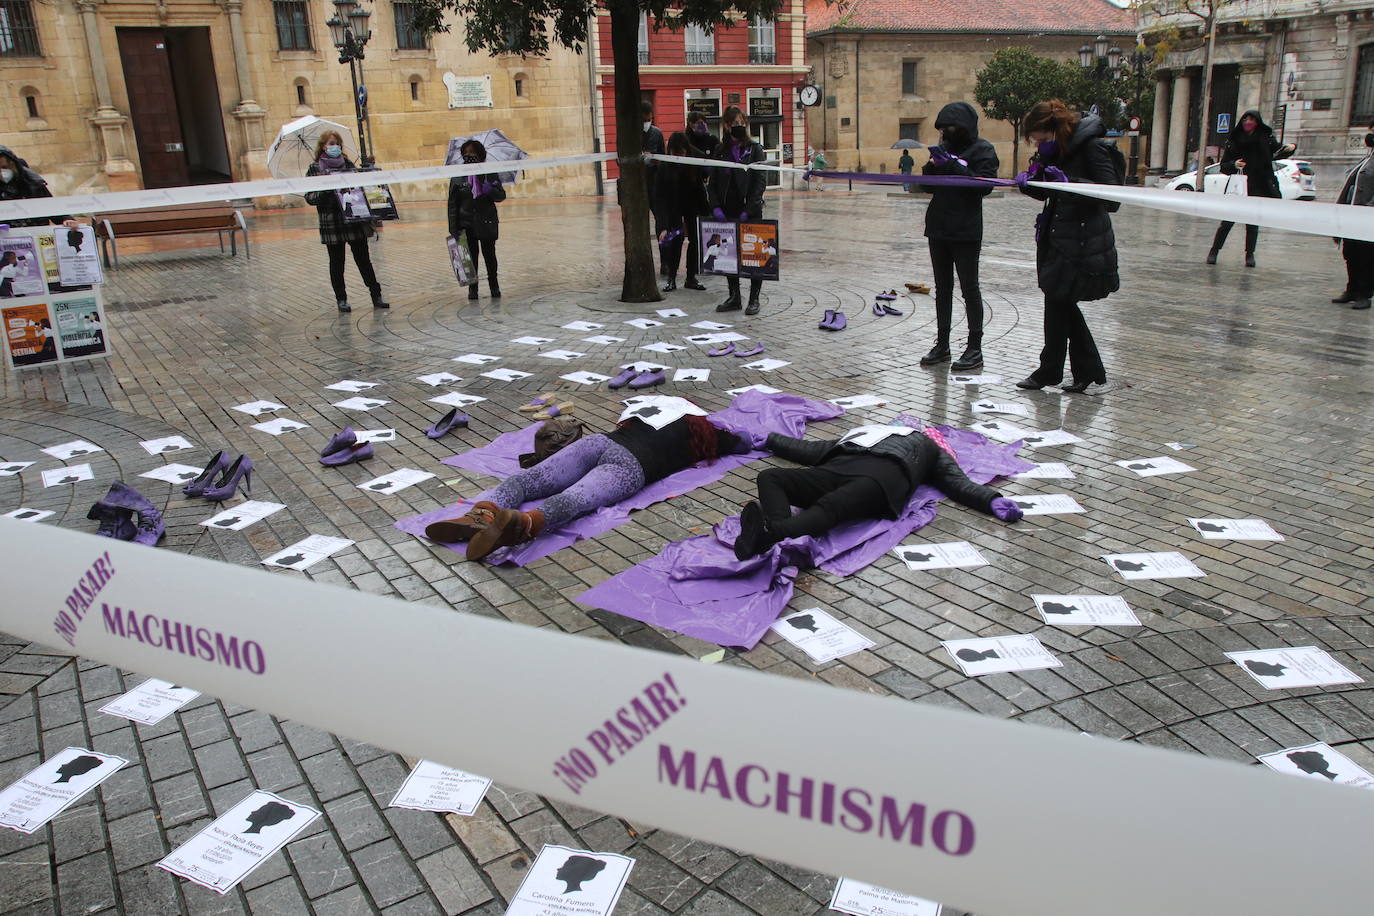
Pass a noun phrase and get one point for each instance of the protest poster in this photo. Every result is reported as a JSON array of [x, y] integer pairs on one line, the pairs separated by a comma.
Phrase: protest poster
[[758, 249], [353, 205], [380, 201], [80, 325], [150, 702], [21, 272], [78, 261], [29, 335], [571, 882], [460, 256], [434, 787], [228, 849], [50, 788], [719, 247]]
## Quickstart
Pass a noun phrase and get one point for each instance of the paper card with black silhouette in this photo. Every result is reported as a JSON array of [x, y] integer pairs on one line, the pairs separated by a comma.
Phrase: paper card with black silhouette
[[999, 654], [564, 355], [435, 379], [571, 882], [1050, 470], [78, 261], [1086, 610], [1297, 666], [658, 410], [352, 385], [167, 444], [671, 313], [583, 326], [663, 347], [820, 636], [858, 898], [376, 435], [173, 473], [871, 434], [603, 339], [56, 477], [395, 482], [1319, 761], [29, 515], [859, 401], [230, 847], [360, 403], [307, 552], [691, 375], [279, 425], [481, 359], [242, 515], [532, 341], [10, 468], [1016, 410], [258, 408], [640, 365], [506, 375], [761, 389], [1050, 438], [150, 702], [457, 399], [1179, 446], [585, 378], [766, 365], [434, 787], [975, 379], [69, 450], [951, 555], [705, 340], [712, 325], [1235, 529], [1048, 504], [1000, 430], [51, 787], [644, 324], [1167, 564], [1153, 467]]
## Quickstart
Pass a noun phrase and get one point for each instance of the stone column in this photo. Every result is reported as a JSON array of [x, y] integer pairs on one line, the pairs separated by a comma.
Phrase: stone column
[[249, 114], [1159, 126], [121, 172], [1251, 84], [1178, 121]]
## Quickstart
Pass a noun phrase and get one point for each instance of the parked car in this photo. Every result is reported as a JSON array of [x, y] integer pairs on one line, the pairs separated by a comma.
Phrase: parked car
[[1297, 181]]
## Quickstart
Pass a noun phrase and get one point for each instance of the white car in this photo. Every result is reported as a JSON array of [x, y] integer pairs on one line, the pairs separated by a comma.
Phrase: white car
[[1297, 181]]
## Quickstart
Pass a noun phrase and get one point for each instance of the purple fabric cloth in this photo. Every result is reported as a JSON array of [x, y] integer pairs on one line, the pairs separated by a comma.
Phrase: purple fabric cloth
[[751, 416], [698, 588]]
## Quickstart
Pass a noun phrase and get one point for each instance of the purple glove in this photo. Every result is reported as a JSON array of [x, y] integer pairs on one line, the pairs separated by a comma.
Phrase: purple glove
[[718, 213], [1006, 510], [939, 155], [1023, 180], [744, 216], [1054, 173]]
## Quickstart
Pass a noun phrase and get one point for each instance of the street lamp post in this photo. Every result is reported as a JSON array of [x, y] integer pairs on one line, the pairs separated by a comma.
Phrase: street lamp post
[[1136, 62], [1098, 61], [350, 30]]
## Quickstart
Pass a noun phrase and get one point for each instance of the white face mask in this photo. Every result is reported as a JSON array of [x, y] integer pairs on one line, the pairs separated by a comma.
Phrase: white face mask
[[6, 174], [648, 124]]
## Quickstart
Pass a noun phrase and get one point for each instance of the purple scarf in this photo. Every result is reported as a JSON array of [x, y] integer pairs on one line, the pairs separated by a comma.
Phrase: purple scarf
[[329, 164]]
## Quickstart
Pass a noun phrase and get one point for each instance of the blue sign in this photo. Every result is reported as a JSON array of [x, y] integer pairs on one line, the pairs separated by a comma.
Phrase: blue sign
[[1223, 123]]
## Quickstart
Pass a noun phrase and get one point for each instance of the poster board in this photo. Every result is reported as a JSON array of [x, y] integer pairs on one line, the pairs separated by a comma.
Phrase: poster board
[[758, 249], [49, 329], [380, 201], [719, 247]]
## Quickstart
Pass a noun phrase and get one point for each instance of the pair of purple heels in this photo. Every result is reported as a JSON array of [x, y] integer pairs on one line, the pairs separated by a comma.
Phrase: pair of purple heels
[[221, 478], [833, 321], [729, 349], [344, 448], [116, 512], [636, 378]]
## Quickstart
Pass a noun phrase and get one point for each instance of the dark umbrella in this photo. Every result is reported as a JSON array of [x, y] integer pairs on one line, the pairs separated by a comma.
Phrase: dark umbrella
[[904, 143]]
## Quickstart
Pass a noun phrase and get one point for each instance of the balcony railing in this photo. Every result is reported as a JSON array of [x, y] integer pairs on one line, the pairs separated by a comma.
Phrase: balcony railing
[[701, 57], [643, 55], [763, 56]]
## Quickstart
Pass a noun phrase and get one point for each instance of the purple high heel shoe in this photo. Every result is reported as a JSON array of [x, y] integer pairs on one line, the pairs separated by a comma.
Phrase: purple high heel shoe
[[197, 487], [623, 379], [358, 451], [228, 484], [447, 423], [341, 440]]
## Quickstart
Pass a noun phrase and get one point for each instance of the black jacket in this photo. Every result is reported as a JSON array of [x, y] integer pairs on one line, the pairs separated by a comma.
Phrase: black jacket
[[681, 195], [651, 141], [739, 191], [665, 451], [1358, 189], [705, 144], [334, 229], [476, 214], [1259, 148], [1076, 255], [26, 185], [956, 214], [921, 459]]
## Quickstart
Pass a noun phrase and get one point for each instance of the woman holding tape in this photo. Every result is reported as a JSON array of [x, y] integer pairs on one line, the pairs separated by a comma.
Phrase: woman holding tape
[[738, 194]]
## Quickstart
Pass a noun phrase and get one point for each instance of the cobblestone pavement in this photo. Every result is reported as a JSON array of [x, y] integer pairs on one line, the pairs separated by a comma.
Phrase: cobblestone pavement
[[1270, 382]]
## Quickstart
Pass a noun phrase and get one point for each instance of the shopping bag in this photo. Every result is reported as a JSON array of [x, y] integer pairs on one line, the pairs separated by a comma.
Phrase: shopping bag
[[464, 269]]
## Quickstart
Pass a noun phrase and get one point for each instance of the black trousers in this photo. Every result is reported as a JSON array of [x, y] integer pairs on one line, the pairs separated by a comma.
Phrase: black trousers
[[488, 249], [945, 259], [826, 499], [1251, 236], [1066, 331], [671, 254], [755, 284], [1359, 268], [362, 257]]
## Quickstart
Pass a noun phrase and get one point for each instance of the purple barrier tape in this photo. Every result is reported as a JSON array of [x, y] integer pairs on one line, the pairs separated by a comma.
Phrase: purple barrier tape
[[958, 181]]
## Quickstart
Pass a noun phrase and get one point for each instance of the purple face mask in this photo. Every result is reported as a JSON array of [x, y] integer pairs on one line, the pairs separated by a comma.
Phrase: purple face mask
[[1247, 125], [1048, 147]]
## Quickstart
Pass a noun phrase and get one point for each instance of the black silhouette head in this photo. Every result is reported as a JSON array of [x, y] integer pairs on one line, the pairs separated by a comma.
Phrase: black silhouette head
[[79, 451], [1054, 607], [973, 655], [1034, 439], [291, 560], [381, 485], [70, 478], [1140, 466], [171, 447], [649, 410], [1312, 763], [77, 766], [28, 513], [803, 622], [268, 815], [226, 522], [12, 467], [915, 556], [187, 475], [372, 403], [577, 870], [1128, 565], [1026, 503], [1208, 526], [963, 378], [75, 238], [1265, 669]]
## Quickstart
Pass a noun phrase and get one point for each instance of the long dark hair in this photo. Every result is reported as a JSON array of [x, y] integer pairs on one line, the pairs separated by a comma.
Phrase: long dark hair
[[1051, 116], [477, 149], [678, 144], [701, 439]]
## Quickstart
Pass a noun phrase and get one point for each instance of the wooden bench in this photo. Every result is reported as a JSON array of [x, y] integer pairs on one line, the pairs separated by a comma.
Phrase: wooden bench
[[178, 220]]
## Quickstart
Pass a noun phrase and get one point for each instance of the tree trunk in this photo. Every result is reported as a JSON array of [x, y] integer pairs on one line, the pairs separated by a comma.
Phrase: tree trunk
[[640, 283], [1015, 148], [1200, 178]]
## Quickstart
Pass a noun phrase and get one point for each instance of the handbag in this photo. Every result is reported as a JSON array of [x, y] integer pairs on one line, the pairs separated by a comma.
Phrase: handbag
[[460, 256], [555, 435]]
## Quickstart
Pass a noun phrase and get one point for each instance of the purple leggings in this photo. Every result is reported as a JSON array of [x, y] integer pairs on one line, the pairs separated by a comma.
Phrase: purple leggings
[[591, 473]]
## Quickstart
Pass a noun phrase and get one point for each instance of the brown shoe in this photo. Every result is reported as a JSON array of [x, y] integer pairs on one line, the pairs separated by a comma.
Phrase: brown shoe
[[463, 528], [510, 527]]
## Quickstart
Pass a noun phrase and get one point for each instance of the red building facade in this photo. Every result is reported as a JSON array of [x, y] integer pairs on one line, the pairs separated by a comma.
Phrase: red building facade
[[757, 65]]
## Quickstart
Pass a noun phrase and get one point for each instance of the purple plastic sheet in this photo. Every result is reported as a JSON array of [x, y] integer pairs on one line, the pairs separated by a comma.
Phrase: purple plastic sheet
[[751, 415], [698, 588]]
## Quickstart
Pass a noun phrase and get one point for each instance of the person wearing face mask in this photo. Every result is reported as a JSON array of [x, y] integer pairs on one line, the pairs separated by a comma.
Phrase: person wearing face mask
[[704, 142], [1075, 251], [472, 201], [1251, 150], [1358, 191], [738, 194], [19, 182], [651, 141], [337, 232], [954, 229], [681, 200]]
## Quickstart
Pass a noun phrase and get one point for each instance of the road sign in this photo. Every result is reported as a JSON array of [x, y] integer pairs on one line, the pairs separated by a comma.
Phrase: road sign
[[1133, 127], [1224, 123]]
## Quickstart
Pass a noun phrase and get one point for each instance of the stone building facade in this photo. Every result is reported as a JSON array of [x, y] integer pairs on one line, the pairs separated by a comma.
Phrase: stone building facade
[[887, 67], [92, 87]]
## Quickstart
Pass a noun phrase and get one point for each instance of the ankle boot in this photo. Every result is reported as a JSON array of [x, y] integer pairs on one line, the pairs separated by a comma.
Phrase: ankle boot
[[508, 528], [472, 291], [125, 499], [377, 301], [938, 354], [1212, 256], [972, 359], [753, 307], [1249, 259], [495, 287], [731, 304]]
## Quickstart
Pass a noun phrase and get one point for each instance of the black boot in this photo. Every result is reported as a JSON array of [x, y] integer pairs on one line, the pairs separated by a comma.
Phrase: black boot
[[472, 291], [938, 354], [753, 307], [754, 536], [1212, 256], [670, 285], [1249, 259], [495, 287], [731, 304], [1345, 297], [972, 359], [692, 283], [377, 301]]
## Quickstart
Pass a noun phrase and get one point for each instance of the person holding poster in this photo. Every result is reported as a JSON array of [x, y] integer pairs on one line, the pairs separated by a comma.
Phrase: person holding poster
[[336, 231], [681, 198], [737, 194], [472, 201]]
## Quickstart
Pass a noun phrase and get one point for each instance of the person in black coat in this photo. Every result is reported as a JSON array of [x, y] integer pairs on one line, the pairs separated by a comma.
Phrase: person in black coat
[[737, 194], [954, 229], [19, 182], [869, 473], [704, 142], [1075, 252], [472, 201], [337, 232], [1251, 149], [681, 200], [1358, 191]]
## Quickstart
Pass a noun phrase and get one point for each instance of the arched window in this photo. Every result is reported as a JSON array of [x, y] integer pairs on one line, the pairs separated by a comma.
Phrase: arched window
[[414, 83], [1362, 109]]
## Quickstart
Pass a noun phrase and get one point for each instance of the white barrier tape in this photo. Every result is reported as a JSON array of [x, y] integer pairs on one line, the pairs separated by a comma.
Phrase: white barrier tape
[[39, 207], [723, 163], [995, 816]]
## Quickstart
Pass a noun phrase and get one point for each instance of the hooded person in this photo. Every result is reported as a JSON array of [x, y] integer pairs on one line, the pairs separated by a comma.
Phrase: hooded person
[[1251, 150], [19, 182], [954, 229], [1358, 191]]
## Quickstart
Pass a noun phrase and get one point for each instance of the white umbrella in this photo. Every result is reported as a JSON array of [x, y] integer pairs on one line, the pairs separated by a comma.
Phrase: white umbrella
[[294, 149], [500, 148]]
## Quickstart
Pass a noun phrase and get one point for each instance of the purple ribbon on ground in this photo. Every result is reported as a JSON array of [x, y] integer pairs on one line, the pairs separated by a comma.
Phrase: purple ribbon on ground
[[958, 181], [751, 416], [698, 588]]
